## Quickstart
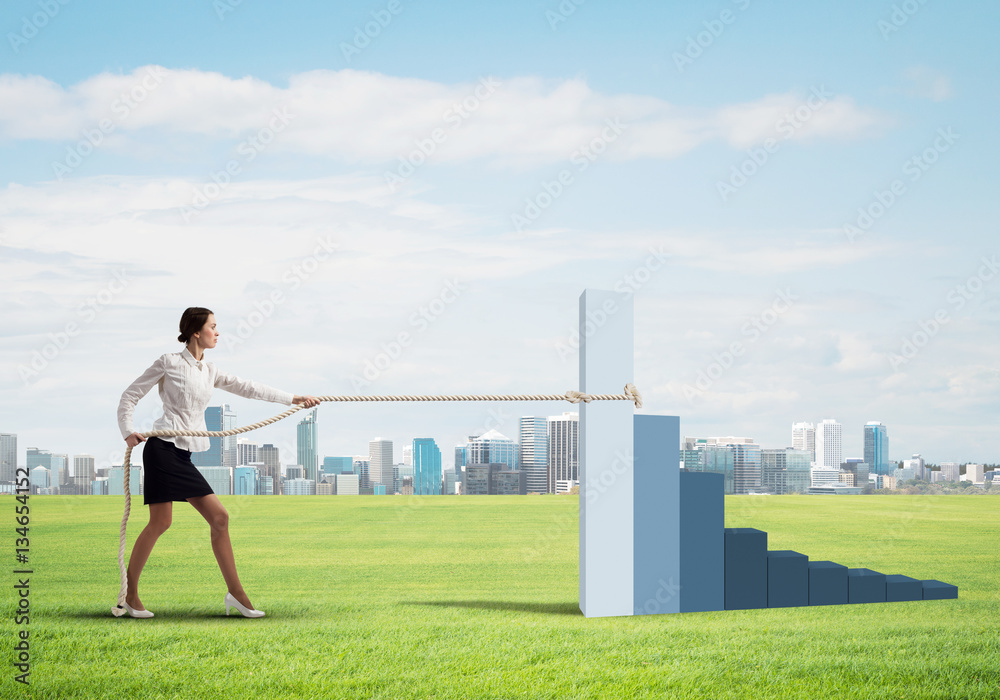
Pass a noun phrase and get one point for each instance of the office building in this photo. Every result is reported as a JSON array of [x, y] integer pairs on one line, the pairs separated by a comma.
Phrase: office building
[[338, 465], [116, 481], [8, 458], [785, 470], [822, 476], [564, 441], [859, 469], [804, 438], [492, 447], [698, 456], [219, 478], [308, 454], [974, 473], [949, 471], [247, 452], [347, 484], [916, 464], [426, 467], [222, 450], [746, 461], [380, 462], [877, 448], [245, 481], [534, 453], [361, 467], [829, 444], [300, 487]]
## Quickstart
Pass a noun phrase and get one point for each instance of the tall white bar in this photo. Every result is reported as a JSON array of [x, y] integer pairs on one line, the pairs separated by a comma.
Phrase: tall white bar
[[606, 454]]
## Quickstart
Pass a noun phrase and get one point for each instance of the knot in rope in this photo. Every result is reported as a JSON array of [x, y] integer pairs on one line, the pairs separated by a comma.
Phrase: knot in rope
[[574, 396]]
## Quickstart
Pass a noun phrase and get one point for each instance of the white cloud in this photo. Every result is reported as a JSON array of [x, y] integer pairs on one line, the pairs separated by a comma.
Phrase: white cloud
[[366, 117]]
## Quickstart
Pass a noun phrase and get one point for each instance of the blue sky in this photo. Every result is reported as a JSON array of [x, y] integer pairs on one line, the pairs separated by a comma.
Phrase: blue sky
[[865, 134]]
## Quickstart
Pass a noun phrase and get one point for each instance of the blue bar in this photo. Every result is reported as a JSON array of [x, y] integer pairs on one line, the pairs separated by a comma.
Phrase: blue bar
[[787, 579], [827, 583], [746, 568], [938, 590], [703, 543], [656, 514], [899, 588], [865, 586]]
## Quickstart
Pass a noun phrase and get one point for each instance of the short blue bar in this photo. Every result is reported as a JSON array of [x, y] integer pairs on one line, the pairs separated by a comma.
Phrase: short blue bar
[[787, 579], [746, 568], [938, 590], [827, 583], [703, 544], [899, 588], [865, 586]]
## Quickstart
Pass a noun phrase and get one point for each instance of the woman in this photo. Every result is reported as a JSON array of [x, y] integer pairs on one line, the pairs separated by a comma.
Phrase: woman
[[186, 382]]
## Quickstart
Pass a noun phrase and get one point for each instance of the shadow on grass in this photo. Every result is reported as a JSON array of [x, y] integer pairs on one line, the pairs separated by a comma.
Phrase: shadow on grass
[[544, 608], [178, 614]]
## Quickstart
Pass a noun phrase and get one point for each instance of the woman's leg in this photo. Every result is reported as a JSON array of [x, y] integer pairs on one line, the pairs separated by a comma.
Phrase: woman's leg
[[218, 520], [159, 521]]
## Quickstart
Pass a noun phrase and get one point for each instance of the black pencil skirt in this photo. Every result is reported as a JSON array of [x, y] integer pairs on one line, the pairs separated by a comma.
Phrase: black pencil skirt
[[170, 474]]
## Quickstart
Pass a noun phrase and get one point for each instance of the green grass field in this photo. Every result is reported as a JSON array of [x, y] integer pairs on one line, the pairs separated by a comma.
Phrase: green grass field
[[476, 597]]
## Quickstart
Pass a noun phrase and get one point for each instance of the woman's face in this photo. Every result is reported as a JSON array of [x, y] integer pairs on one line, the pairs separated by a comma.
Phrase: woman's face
[[208, 336]]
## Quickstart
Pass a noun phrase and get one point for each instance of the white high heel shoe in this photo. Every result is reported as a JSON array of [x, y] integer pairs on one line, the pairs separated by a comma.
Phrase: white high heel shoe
[[136, 613], [247, 612]]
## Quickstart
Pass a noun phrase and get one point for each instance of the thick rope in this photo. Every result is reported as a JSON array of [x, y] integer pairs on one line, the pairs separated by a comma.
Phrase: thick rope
[[631, 394]]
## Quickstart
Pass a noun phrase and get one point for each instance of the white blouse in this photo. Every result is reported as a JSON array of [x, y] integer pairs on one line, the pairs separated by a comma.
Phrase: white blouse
[[186, 386]]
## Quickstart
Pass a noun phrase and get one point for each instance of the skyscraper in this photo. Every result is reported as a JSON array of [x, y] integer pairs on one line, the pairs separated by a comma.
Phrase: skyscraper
[[877, 448], [222, 450], [8, 457], [804, 438], [247, 452], [308, 454], [829, 449], [534, 457], [564, 461], [380, 462], [492, 447], [746, 462], [426, 467]]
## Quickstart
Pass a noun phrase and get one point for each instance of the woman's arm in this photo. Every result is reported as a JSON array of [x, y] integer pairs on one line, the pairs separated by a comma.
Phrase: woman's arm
[[130, 397]]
